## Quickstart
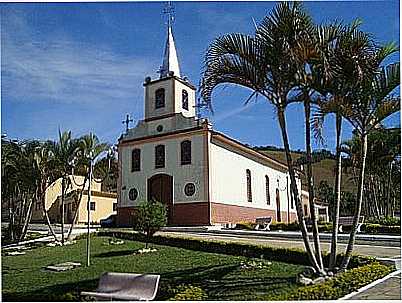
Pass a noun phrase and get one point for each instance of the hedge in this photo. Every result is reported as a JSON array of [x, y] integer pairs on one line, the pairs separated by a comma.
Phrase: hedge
[[340, 285], [370, 228], [287, 255]]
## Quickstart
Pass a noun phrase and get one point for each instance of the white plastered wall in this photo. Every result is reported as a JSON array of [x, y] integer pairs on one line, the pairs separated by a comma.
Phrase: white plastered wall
[[182, 174], [228, 182], [173, 98]]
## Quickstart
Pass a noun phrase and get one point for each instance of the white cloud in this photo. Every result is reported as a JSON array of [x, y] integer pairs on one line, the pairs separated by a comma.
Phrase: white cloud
[[62, 70]]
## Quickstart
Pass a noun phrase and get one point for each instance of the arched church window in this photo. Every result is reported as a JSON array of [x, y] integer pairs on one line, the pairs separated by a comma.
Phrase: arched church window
[[160, 156], [267, 190], [185, 155], [159, 98], [249, 193], [136, 160], [184, 99]]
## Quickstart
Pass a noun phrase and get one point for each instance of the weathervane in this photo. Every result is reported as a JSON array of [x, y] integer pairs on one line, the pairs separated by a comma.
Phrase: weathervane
[[127, 121], [169, 11]]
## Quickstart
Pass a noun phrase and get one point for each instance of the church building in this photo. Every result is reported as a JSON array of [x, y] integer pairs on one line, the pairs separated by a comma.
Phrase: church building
[[203, 176]]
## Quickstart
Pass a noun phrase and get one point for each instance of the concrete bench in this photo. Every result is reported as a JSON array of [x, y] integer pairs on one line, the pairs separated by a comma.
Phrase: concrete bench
[[125, 286], [264, 222], [348, 221]]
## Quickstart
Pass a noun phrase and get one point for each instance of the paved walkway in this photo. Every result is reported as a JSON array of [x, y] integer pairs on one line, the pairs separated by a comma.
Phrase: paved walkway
[[389, 289]]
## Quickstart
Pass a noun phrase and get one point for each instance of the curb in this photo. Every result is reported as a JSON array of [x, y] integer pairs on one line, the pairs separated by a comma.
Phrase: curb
[[368, 286]]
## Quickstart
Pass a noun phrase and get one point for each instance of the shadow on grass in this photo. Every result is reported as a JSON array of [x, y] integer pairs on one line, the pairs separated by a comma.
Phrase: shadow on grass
[[58, 292], [221, 282], [115, 253]]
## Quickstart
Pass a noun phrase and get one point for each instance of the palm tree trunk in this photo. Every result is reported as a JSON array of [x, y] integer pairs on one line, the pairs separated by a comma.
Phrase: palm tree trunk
[[313, 216], [78, 201], [352, 236], [45, 213], [294, 190], [27, 219], [63, 185], [336, 206]]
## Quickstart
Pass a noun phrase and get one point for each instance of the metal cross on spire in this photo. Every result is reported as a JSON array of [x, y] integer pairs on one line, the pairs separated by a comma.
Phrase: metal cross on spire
[[169, 11], [127, 121]]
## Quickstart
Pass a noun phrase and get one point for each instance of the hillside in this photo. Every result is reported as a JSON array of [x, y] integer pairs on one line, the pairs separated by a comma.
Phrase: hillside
[[322, 170]]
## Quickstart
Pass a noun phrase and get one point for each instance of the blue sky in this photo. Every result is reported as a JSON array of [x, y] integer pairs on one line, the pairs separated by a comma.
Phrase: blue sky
[[80, 66]]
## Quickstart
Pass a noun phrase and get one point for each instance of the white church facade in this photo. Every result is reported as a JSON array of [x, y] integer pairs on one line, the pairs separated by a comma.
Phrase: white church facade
[[203, 176]]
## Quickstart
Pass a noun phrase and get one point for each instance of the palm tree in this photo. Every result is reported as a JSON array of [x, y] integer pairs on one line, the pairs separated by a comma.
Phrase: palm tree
[[343, 62], [265, 64], [44, 159], [369, 104], [89, 148], [20, 177], [64, 151]]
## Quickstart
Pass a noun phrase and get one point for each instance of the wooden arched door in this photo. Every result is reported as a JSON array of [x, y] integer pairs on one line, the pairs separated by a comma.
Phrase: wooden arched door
[[278, 206], [160, 188]]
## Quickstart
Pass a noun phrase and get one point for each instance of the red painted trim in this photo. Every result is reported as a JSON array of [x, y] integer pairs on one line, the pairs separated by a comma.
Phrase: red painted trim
[[168, 135]]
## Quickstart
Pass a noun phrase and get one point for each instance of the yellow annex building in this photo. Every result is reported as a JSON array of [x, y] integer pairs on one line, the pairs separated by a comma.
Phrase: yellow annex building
[[103, 204]]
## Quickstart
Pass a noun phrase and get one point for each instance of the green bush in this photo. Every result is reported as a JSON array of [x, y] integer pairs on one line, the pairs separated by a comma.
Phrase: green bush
[[188, 293], [372, 228], [287, 255], [149, 218], [340, 285], [390, 221], [246, 225], [285, 227]]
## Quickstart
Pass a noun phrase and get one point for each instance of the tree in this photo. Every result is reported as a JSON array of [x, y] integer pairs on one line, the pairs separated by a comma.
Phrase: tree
[[88, 149], [369, 104], [264, 63], [344, 63], [149, 217], [382, 181], [64, 151]]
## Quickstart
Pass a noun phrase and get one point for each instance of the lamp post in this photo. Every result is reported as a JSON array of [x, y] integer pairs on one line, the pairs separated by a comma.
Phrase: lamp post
[[92, 162], [91, 159]]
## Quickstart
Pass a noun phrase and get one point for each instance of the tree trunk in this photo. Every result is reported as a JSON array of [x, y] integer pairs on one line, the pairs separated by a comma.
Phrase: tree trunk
[[63, 185], [337, 204], [313, 216], [45, 213], [352, 236], [27, 219], [388, 206], [295, 193], [78, 202]]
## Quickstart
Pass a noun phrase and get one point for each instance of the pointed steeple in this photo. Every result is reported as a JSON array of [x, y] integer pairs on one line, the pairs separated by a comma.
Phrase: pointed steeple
[[170, 62]]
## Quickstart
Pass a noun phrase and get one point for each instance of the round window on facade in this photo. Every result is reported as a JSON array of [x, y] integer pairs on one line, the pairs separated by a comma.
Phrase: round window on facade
[[133, 194], [159, 128], [189, 189]]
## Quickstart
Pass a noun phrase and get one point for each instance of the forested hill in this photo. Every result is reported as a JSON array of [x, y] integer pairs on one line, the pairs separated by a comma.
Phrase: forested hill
[[323, 166]]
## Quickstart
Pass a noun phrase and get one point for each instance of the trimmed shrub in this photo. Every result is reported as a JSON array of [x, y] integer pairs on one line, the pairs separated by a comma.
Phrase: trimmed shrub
[[341, 285], [287, 255], [246, 225], [372, 228], [390, 221]]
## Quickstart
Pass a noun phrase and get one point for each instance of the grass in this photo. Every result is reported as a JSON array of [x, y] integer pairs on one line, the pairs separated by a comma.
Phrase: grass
[[220, 276]]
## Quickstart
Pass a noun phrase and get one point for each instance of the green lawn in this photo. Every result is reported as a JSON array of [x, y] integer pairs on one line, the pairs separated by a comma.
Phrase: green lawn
[[24, 278]]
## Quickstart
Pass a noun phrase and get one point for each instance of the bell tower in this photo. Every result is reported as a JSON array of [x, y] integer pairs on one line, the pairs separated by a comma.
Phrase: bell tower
[[170, 94]]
